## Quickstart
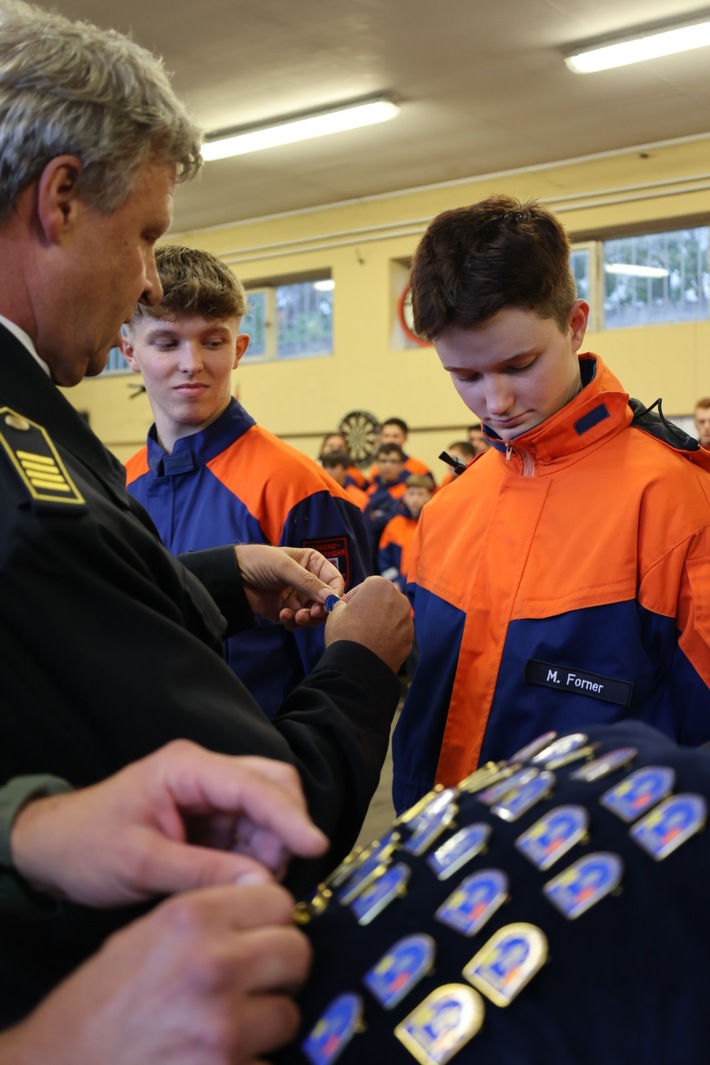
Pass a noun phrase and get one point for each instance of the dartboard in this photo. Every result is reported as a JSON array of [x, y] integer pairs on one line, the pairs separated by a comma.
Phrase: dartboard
[[362, 433]]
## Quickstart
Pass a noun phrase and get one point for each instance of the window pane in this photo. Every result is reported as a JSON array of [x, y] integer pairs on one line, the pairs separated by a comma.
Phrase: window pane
[[579, 261], [116, 363], [660, 277], [304, 316], [254, 323]]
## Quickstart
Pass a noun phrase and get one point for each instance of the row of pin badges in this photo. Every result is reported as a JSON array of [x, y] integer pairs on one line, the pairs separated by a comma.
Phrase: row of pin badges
[[367, 882]]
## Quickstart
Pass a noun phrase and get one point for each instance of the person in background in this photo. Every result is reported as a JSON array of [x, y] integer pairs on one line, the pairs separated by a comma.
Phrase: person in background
[[338, 442], [208, 474], [398, 534], [384, 494], [477, 439], [396, 431], [702, 421], [112, 646], [563, 579], [337, 464]]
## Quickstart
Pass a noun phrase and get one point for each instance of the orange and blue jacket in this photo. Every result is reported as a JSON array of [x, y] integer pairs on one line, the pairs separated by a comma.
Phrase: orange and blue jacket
[[396, 547], [235, 482], [562, 580]]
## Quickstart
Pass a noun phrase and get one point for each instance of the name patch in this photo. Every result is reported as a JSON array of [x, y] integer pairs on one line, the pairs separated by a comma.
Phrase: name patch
[[569, 679]]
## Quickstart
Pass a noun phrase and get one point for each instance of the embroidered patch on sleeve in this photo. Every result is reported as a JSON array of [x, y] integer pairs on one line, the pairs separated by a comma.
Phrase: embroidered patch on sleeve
[[337, 550]]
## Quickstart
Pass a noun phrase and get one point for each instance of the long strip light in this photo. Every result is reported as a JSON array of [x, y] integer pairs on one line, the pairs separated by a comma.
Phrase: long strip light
[[634, 270], [300, 128], [650, 45]]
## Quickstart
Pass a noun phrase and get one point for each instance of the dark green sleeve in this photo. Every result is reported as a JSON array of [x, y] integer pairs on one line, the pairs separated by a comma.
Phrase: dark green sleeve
[[16, 896]]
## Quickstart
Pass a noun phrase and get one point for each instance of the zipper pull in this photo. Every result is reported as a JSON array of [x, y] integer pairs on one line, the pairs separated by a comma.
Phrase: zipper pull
[[509, 449]]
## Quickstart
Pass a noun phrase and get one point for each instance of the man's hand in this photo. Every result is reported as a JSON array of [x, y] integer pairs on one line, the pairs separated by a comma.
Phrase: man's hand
[[288, 584], [376, 615], [179, 819], [205, 979]]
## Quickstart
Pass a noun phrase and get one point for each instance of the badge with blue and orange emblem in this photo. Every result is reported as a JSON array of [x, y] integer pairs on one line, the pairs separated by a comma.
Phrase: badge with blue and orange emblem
[[507, 962], [390, 884], [672, 823], [523, 798], [474, 901], [550, 838], [579, 887], [334, 1030], [400, 969], [636, 794], [461, 848], [443, 1023]]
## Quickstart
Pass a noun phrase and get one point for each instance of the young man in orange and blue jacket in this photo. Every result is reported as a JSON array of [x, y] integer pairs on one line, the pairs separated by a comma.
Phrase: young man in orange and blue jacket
[[563, 579], [210, 475]]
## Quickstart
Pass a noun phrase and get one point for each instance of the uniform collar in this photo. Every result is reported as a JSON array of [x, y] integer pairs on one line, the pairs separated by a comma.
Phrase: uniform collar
[[191, 452], [600, 410]]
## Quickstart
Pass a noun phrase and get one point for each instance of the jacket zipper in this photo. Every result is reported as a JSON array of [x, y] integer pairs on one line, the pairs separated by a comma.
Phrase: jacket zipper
[[526, 460]]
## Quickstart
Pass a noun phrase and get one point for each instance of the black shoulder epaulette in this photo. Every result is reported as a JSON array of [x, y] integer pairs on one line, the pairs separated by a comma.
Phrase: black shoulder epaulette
[[656, 424], [37, 463]]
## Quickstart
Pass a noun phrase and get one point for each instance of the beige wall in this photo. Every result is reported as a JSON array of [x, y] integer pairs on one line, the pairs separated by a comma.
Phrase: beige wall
[[363, 244]]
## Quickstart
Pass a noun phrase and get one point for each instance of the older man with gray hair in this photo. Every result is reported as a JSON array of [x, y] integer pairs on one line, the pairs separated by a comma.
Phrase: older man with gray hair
[[112, 647]]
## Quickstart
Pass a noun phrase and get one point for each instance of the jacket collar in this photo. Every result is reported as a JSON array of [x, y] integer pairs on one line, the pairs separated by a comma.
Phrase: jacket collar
[[196, 450], [600, 410]]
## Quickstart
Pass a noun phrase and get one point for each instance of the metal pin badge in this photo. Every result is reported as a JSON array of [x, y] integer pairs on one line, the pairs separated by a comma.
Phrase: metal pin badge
[[368, 865], [550, 838], [499, 791], [400, 969], [604, 765], [334, 1030], [419, 806], [533, 748], [636, 794], [331, 602], [579, 887], [507, 962], [518, 802], [559, 748], [390, 883], [428, 828], [443, 1023], [474, 901], [461, 848], [671, 823], [486, 775]]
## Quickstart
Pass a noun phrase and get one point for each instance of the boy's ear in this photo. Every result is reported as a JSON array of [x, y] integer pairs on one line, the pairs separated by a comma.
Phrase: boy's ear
[[578, 318], [241, 346], [128, 353], [58, 197]]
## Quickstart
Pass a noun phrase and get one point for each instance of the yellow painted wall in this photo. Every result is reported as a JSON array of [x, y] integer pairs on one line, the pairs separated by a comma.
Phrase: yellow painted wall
[[363, 244]]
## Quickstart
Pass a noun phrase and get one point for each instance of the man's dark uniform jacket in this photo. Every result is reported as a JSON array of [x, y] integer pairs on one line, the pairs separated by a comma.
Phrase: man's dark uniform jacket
[[111, 647], [625, 982]]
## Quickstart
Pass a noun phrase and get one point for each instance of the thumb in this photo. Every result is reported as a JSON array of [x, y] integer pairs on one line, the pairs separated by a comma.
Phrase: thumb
[[176, 866]]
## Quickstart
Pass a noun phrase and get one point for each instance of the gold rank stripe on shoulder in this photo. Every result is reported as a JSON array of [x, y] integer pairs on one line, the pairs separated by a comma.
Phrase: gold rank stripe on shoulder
[[36, 460]]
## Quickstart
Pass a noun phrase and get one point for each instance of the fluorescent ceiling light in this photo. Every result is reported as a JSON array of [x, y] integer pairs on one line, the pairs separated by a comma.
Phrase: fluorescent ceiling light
[[649, 45], [300, 128], [632, 270], [326, 285]]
